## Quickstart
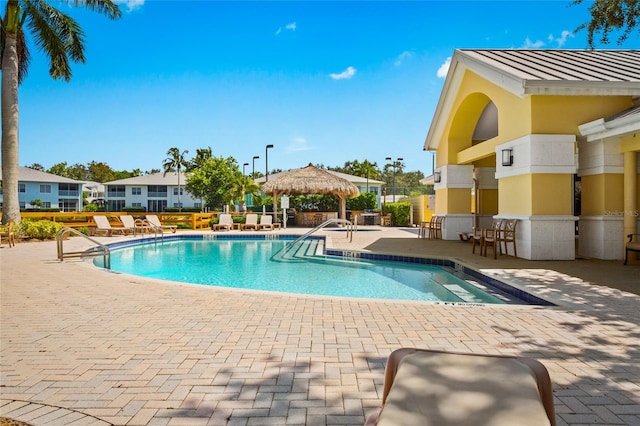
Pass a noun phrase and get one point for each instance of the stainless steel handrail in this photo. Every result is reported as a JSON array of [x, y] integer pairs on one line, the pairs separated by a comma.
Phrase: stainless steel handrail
[[99, 249], [350, 230]]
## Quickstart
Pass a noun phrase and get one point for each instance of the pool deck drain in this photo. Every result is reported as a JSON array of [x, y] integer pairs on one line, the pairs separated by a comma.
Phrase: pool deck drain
[[127, 350]]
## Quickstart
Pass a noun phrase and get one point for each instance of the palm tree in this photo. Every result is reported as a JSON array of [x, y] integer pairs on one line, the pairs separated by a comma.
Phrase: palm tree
[[240, 187], [62, 40], [175, 161]]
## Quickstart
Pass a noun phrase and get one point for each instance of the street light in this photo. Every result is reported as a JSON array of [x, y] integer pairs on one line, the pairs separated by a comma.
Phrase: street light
[[266, 162], [395, 164], [243, 168], [253, 168]]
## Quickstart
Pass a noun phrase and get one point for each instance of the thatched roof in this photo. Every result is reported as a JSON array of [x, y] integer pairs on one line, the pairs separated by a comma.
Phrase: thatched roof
[[310, 180]]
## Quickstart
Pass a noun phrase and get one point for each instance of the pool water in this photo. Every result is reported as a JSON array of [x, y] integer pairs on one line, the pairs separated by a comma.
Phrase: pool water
[[248, 264]]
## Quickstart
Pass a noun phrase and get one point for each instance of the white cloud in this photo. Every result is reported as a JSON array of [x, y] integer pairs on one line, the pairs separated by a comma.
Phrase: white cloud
[[562, 39], [402, 57], [131, 4], [290, 26], [298, 144], [528, 44], [346, 74], [444, 68]]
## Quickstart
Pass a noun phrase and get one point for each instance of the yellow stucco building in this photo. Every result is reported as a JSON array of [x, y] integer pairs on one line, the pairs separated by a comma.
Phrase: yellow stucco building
[[525, 133]]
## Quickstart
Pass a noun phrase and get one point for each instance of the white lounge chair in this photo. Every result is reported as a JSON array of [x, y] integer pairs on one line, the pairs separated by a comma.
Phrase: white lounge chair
[[103, 226], [154, 221], [266, 222], [134, 225], [225, 222], [251, 222]]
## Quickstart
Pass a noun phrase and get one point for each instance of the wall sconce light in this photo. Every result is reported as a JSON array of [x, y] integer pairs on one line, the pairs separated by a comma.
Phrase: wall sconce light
[[507, 157], [437, 177]]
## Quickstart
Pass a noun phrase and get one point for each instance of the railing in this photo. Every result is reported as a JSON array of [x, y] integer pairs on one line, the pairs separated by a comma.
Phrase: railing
[[290, 246], [99, 249]]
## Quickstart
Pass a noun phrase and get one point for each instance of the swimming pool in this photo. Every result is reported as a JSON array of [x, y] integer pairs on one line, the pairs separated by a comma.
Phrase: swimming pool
[[249, 263]]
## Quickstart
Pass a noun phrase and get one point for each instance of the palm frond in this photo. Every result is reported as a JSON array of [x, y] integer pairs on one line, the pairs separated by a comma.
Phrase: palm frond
[[105, 7]]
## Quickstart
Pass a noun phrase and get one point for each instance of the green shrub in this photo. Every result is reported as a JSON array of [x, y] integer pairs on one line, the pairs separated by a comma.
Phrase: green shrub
[[183, 210], [41, 229], [90, 208], [134, 209], [399, 213]]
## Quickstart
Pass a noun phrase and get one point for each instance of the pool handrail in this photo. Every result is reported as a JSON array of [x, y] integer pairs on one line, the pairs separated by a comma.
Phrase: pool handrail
[[99, 249], [288, 246]]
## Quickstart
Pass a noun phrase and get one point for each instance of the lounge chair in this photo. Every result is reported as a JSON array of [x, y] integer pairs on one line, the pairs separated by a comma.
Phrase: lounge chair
[[104, 226], [134, 225], [155, 222], [251, 222], [7, 232], [225, 222], [266, 222], [423, 387]]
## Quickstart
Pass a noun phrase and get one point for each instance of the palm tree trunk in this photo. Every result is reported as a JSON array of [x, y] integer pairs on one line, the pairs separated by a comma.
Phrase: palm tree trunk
[[10, 202]]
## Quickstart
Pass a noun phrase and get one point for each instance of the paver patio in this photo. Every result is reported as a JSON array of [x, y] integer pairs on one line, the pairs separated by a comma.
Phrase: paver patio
[[80, 345]]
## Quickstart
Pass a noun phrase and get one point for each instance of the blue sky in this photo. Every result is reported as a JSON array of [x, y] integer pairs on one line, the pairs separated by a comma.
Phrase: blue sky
[[324, 82]]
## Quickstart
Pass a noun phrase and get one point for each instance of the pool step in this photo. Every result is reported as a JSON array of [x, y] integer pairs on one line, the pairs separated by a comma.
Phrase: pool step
[[301, 251]]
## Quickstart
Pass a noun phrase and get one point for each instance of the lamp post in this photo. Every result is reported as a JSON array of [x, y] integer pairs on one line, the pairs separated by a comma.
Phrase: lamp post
[[266, 162], [243, 168], [395, 164], [253, 167]]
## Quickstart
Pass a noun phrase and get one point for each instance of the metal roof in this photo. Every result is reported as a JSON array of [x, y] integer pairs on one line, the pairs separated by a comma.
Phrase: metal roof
[[26, 174], [563, 65], [170, 178]]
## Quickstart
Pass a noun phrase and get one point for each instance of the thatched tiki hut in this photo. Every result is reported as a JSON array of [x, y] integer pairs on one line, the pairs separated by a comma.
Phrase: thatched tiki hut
[[311, 180]]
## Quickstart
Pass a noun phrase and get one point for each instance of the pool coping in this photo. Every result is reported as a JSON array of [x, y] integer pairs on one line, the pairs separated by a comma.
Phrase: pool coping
[[510, 286]]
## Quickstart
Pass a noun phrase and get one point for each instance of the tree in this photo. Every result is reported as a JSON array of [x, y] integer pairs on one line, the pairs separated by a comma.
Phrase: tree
[[100, 172], [37, 166], [175, 161], [202, 154], [62, 40], [213, 180], [241, 186], [611, 15], [58, 169]]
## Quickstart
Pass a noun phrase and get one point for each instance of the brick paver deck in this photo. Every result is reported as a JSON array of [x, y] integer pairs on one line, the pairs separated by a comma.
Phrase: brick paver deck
[[80, 345]]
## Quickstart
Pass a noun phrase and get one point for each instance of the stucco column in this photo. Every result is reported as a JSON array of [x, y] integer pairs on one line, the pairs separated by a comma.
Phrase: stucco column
[[630, 194], [453, 199], [537, 189]]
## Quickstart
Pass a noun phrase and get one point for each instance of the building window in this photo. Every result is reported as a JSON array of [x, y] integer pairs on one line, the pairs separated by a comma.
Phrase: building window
[[22, 187], [136, 204], [175, 191], [68, 205], [45, 189], [115, 191], [158, 191], [68, 190], [177, 205], [115, 205], [197, 205], [23, 204], [156, 205], [136, 191], [46, 204]]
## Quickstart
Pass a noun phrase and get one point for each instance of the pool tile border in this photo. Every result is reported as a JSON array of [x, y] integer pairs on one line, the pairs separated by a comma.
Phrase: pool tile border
[[526, 297]]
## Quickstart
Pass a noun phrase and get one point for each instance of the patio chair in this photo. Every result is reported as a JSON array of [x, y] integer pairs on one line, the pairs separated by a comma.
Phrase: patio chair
[[632, 245], [225, 222], [507, 235], [424, 387], [266, 222], [251, 222], [425, 228], [7, 232], [490, 238], [104, 226], [476, 239], [435, 230], [155, 222]]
